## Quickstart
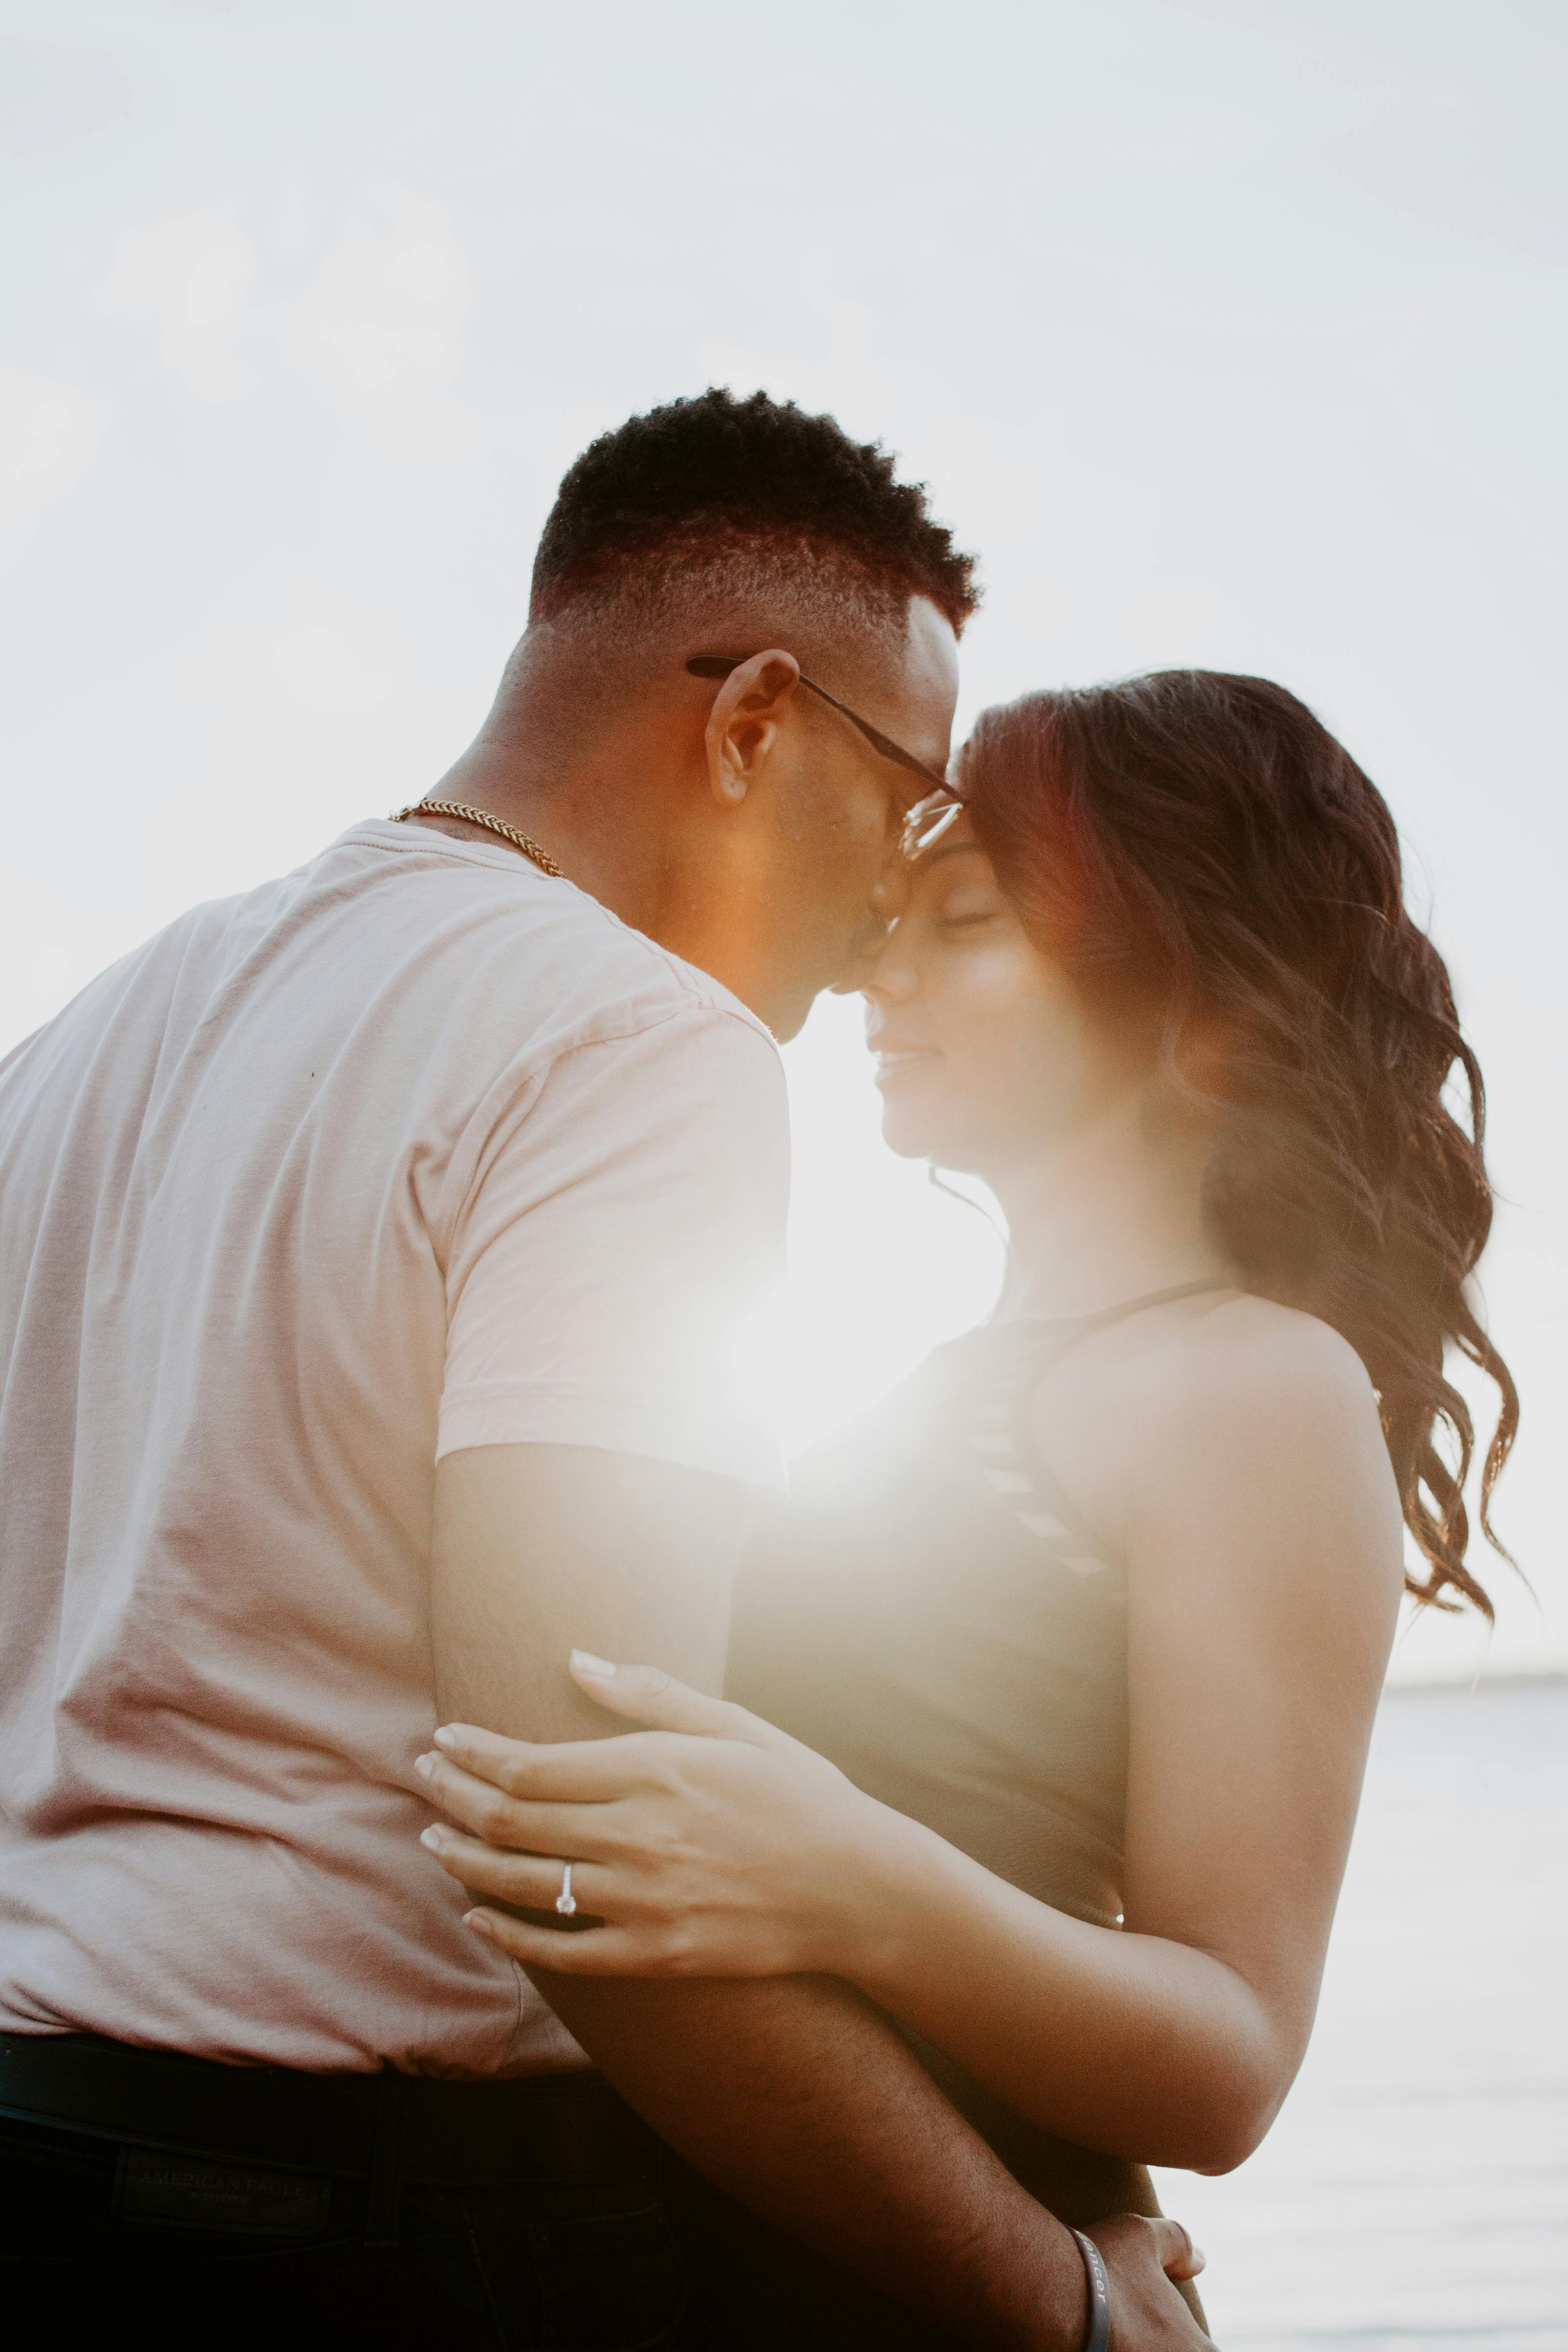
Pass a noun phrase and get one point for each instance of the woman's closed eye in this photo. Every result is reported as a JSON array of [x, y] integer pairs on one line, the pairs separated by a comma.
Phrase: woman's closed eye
[[969, 903]]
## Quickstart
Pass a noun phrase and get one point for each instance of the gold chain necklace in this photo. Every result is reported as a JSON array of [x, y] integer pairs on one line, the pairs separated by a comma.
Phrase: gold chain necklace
[[529, 848]]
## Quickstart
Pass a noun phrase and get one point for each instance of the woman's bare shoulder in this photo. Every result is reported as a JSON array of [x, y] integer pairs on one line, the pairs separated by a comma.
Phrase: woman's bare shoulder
[[1275, 1410], [1248, 1348], [1210, 1400], [1252, 1372], [1235, 1355]]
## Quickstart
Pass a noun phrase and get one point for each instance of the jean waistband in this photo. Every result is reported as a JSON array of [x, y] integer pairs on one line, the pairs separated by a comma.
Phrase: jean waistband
[[552, 2128]]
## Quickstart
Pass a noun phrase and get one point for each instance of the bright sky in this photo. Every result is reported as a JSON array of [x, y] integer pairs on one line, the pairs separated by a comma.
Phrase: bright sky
[[1229, 333]]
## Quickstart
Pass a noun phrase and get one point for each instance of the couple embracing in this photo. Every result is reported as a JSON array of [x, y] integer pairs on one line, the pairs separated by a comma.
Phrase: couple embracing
[[369, 1250]]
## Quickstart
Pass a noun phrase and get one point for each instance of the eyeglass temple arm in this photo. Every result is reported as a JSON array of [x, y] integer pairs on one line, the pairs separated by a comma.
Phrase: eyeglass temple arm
[[720, 665]]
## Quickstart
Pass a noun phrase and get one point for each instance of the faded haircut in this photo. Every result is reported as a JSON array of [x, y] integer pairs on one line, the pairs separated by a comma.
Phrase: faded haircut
[[717, 502]]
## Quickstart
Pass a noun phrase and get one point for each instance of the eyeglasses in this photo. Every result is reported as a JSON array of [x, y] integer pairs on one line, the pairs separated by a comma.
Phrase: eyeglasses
[[920, 830]]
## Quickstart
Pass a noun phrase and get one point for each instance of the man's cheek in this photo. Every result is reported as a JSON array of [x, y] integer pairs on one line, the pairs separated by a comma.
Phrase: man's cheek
[[868, 820]]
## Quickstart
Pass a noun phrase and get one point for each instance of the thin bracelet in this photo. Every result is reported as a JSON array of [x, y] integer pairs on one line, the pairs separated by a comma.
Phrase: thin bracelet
[[1098, 2338]]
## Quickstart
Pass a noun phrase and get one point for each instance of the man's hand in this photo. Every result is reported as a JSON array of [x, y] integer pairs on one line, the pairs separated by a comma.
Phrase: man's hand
[[1141, 2257]]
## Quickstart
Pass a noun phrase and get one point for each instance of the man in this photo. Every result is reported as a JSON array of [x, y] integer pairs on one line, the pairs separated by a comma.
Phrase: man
[[368, 1249]]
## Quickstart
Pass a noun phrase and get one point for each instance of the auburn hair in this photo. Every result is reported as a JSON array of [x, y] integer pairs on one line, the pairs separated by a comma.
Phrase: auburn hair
[[1196, 848]]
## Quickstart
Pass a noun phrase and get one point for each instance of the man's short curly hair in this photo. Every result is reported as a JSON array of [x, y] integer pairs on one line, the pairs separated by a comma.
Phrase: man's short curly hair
[[716, 482]]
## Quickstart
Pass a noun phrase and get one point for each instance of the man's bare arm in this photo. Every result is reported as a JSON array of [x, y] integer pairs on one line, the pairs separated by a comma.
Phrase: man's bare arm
[[539, 1548]]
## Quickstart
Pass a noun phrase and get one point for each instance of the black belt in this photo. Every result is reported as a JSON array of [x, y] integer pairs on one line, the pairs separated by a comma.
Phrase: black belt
[[386, 2128]]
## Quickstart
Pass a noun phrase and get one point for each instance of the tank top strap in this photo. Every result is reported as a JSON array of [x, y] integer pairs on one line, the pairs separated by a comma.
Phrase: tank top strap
[[1068, 1330], [1052, 1340]]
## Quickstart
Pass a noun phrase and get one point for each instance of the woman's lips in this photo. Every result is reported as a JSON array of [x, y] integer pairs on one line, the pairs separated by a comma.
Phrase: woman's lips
[[899, 1061]]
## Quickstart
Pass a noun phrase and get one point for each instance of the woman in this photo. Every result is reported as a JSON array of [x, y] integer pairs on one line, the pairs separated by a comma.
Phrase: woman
[[1058, 1674]]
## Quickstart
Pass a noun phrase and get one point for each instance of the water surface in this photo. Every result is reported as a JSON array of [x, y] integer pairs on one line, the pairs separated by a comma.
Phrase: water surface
[[1415, 2189]]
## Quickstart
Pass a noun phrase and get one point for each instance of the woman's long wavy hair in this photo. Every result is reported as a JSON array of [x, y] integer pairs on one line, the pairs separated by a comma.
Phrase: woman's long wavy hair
[[1197, 849]]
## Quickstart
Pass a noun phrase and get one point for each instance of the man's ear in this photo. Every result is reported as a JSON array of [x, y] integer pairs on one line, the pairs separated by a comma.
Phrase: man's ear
[[743, 724]]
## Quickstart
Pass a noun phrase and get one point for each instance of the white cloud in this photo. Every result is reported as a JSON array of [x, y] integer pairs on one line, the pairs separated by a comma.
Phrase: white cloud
[[48, 433], [362, 299], [380, 315], [188, 278]]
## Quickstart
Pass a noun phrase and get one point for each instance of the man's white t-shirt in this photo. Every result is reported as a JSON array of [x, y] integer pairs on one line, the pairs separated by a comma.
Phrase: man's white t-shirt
[[414, 1150]]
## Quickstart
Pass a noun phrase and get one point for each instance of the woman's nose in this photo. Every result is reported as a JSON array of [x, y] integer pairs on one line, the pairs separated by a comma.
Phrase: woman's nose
[[892, 978]]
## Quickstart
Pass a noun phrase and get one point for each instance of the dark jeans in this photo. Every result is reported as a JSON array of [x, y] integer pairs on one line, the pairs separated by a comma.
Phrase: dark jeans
[[572, 2268], [755, 2290]]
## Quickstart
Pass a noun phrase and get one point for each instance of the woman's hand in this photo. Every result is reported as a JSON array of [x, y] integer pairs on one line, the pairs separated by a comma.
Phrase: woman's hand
[[711, 1844]]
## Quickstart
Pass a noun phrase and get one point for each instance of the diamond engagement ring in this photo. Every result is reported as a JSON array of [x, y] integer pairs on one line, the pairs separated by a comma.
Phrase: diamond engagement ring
[[566, 1902]]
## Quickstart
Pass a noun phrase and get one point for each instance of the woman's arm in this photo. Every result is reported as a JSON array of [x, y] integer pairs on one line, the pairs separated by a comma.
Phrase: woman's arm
[[1265, 1568], [1263, 1555]]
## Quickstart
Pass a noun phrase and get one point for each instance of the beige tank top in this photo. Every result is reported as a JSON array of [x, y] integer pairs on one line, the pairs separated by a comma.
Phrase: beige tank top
[[934, 1613]]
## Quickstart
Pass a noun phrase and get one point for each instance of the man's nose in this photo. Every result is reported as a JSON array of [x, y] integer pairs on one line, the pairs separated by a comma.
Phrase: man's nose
[[865, 950], [887, 897], [890, 890]]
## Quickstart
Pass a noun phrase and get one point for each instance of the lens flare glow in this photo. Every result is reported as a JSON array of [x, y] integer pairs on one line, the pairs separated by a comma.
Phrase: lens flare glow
[[882, 1265]]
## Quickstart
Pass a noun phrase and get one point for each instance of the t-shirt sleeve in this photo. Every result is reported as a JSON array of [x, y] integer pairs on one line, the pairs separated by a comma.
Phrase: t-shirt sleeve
[[623, 1222]]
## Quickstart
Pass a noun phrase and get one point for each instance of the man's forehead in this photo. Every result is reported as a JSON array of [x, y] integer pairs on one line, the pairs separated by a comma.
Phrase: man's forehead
[[923, 683], [919, 656], [932, 648]]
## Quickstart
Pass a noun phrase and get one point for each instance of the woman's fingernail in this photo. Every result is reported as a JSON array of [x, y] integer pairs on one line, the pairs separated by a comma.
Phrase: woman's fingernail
[[477, 1922], [425, 1766], [433, 1838], [1200, 2258], [446, 1738], [584, 1662]]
